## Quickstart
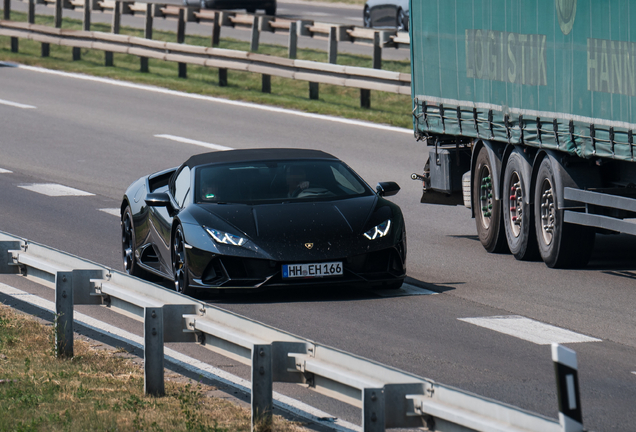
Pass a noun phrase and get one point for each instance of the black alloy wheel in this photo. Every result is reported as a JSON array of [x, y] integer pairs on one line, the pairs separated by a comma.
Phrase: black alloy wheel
[[180, 263], [561, 245], [128, 245], [517, 214], [488, 216], [366, 17]]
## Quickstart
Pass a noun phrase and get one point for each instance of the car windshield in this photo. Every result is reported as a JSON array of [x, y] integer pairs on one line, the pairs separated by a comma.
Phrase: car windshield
[[277, 181]]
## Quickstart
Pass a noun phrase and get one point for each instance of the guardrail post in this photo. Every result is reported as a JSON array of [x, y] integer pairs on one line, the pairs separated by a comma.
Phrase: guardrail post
[[567, 380], [216, 30], [222, 77], [262, 390], [373, 418], [183, 67], [333, 46], [143, 61], [256, 34], [377, 51], [7, 10], [266, 83], [365, 94], [31, 12], [58, 13], [64, 314], [314, 90], [153, 351], [114, 28], [86, 26], [6, 260], [293, 39]]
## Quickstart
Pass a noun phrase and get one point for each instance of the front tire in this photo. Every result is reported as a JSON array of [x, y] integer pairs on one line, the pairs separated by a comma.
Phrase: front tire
[[488, 217], [401, 22], [561, 245], [366, 17], [180, 263], [129, 245], [517, 214]]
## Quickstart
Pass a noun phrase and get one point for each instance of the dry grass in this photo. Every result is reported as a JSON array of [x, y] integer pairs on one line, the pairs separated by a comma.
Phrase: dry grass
[[97, 390]]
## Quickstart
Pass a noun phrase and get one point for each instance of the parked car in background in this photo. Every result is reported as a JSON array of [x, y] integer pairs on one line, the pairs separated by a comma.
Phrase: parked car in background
[[251, 6], [387, 13]]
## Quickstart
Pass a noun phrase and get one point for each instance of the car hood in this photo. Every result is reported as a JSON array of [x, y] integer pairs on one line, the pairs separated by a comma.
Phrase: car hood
[[301, 230]]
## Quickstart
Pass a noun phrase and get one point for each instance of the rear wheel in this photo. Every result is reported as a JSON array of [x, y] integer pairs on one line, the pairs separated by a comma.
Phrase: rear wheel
[[561, 245], [128, 245], [517, 214], [180, 263], [487, 209]]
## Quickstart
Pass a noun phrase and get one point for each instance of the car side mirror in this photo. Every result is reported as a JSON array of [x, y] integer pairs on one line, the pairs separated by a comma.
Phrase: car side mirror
[[385, 189], [158, 200]]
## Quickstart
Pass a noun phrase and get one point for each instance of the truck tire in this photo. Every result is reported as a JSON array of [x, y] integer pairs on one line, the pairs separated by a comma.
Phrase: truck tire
[[561, 245], [517, 214], [488, 216]]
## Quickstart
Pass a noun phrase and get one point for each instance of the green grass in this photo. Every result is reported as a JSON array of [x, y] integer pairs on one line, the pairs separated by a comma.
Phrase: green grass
[[386, 108], [98, 389]]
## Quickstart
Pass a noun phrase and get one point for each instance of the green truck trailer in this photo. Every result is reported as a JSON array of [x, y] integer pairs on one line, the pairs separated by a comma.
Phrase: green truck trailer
[[528, 109]]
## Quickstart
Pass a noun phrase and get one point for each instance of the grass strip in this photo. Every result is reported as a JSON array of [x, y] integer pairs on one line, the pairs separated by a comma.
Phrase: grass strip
[[98, 389], [386, 108]]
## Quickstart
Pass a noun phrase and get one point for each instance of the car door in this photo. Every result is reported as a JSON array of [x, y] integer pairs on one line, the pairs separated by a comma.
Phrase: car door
[[161, 217]]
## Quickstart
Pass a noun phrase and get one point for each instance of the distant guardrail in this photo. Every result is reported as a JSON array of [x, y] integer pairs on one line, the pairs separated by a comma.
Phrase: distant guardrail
[[389, 398], [313, 72]]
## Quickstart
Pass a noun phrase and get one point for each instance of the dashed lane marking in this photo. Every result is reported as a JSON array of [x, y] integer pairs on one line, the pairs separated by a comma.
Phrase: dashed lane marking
[[111, 211], [406, 290], [5, 171], [194, 142], [529, 330], [55, 190], [16, 104]]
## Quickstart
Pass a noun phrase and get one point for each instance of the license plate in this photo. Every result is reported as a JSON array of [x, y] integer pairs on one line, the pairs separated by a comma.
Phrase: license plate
[[312, 270]]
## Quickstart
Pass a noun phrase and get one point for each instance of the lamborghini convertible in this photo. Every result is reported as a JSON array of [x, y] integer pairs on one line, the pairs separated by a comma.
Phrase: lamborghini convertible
[[260, 219]]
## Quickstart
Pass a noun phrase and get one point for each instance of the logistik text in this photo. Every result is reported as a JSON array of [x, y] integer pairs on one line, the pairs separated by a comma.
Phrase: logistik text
[[508, 57]]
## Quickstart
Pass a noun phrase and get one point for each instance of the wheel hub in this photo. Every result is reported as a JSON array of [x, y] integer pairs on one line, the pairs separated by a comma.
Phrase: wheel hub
[[547, 212], [485, 197], [516, 205]]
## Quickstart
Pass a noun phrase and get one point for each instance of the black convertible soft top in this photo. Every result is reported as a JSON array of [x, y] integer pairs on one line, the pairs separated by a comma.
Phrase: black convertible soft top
[[244, 155]]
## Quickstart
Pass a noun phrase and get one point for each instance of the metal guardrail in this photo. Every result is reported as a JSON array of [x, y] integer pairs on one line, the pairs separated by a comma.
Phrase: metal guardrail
[[314, 72], [389, 398]]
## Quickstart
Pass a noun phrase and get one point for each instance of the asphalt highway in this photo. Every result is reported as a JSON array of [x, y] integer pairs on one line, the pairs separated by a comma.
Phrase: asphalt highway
[[334, 13], [98, 136]]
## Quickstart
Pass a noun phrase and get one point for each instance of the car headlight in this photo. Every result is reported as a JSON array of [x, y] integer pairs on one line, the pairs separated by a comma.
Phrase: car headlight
[[379, 231], [225, 238]]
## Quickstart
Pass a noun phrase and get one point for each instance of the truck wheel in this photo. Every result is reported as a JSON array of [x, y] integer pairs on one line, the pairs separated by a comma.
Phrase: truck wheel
[[517, 215], [561, 245], [487, 209]]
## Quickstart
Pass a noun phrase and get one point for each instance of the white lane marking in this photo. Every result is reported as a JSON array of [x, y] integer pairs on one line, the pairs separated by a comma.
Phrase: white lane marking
[[15, 104], [111, 211], [634, 372], [406, 290], [5, 171], [191, 364], [220, 100], [55, 190], [194, 142], [529, 330]]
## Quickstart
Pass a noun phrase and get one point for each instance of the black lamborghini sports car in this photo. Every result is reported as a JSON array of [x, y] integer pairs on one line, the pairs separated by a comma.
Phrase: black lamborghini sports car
[[263, 218]]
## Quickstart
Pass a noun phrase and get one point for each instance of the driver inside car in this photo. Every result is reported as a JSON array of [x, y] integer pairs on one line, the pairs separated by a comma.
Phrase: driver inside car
[[296, 180]]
